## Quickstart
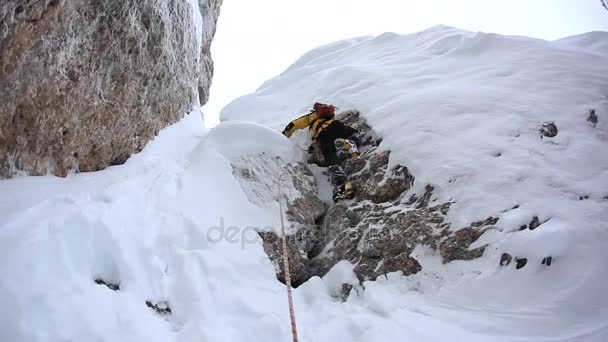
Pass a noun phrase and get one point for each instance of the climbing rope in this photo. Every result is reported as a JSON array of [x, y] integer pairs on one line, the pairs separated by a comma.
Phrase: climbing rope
[[292, 314]]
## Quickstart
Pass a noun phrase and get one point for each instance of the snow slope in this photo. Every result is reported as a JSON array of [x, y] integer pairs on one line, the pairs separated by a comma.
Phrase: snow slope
[[445, 101], [462, 111]]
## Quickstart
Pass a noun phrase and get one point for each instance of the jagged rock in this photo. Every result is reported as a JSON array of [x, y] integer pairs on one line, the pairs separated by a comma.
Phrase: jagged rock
[[592, 118], [547, 261], [162, 308], [456, 247], [345, 291], [376, 232], [377, 239], [505, 259], [549, 130], [299, 264], [257, 175], [84, 84], [375, 182], [535, 223], [423, 201], [520, 263], [210, 12], [113, 287]]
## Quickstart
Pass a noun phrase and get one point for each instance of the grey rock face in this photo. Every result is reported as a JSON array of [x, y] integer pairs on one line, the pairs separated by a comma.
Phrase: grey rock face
[[549, 130], [303, 208], [84, 84], [592, 118], [377, 231], [210, 11]]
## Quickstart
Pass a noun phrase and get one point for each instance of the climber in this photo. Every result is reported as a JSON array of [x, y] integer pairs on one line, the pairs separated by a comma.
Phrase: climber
[[336, 141]]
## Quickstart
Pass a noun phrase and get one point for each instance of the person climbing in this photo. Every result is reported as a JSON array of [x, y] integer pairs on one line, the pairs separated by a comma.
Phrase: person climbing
[[336, 140]]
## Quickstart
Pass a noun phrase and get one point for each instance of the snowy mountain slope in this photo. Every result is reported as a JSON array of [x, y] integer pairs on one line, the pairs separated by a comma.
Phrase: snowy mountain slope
[[463, 112], [445, 102], [152, 228]]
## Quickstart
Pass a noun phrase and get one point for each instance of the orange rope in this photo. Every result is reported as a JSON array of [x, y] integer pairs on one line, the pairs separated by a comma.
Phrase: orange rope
[[292, 314]]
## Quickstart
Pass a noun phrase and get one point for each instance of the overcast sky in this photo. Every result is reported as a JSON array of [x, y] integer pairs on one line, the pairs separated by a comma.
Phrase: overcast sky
[[258, 39]]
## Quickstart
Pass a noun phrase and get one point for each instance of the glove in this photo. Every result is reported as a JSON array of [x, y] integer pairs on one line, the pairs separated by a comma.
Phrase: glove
[[287, 128]]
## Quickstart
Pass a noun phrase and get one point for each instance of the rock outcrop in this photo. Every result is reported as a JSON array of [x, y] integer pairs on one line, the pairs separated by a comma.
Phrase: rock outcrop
[[84, 84], [210, 11], [376, 231], [257, 174]]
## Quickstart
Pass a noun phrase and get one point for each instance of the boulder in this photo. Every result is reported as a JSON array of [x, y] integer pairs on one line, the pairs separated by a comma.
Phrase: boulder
[[84, 84]]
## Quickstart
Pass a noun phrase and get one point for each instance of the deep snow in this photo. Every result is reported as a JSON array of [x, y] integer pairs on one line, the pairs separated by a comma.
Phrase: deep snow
[[447, 103]]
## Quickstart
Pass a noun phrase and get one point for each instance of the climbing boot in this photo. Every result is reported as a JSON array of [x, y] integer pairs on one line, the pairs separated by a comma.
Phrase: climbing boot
[[346, 149], [344, 191]]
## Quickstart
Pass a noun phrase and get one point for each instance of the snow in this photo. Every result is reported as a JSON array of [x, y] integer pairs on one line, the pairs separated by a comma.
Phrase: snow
[[197, 20], [173, 224]]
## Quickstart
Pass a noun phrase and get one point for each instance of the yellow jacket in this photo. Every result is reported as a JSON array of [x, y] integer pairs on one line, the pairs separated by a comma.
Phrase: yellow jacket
[[311, 120]]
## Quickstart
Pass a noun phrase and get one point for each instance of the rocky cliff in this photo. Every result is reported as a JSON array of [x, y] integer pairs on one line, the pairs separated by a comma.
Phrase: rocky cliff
[[84, 84], [376, 231]]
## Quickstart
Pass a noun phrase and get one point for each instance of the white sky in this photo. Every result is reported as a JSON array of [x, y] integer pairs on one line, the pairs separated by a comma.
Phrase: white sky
[[258, 39]]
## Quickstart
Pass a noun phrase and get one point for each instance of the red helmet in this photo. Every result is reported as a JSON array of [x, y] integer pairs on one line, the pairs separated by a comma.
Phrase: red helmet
[[324, 109]]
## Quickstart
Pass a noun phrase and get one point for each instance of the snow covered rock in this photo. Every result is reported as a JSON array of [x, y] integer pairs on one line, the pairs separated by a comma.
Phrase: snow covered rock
[[84, 84], [376, 232], [258, 175]]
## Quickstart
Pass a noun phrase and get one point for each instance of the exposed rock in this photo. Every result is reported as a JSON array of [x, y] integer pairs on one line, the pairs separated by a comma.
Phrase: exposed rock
[[592, 118], [520, 263], [257, 174], [375, 182], [456, 247], [345, 291], [210, 12], [535, 223], [162, 308], [84, 84], [547, 261], [548, 130], [376, 231], [299, 264], [113, 287], [505, 259]]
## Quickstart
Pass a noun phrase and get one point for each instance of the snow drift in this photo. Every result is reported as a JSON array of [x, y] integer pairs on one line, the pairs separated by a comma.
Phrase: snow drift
[[462, 110]]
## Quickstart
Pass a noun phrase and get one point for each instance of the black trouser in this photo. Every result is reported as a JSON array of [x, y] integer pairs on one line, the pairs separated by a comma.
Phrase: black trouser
[[328, 136]]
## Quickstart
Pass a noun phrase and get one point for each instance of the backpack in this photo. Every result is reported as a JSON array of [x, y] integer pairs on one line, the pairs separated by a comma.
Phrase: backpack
[[325, 111]]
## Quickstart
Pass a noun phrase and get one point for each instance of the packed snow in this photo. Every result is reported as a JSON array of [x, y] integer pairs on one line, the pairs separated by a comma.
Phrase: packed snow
[[461, 110]]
